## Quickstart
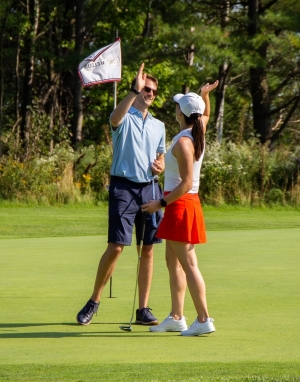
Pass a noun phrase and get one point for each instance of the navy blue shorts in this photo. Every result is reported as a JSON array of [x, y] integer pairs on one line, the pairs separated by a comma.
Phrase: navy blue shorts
[[125, 200]]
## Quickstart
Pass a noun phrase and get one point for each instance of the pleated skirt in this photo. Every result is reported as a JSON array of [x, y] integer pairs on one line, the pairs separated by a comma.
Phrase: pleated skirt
[[183, 221]]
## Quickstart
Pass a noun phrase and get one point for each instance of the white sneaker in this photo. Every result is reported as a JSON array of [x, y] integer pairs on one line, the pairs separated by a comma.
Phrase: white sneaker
[[197, 328], [170, 325]]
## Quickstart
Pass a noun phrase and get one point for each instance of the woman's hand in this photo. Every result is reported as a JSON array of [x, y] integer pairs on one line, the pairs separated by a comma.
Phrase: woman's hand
[[151, 207], [208, 88]]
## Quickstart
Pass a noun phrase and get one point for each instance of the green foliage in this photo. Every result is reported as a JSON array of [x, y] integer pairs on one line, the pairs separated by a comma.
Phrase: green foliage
[[183, 43], [249, 174], [39, 179], [245, 174], [66, 176], [163, 35]]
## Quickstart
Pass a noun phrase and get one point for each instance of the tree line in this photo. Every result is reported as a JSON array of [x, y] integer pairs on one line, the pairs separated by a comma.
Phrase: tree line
[[250, 46]]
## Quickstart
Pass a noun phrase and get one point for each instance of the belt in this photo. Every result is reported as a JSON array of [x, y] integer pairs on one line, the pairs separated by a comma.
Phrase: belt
[[135, 184]]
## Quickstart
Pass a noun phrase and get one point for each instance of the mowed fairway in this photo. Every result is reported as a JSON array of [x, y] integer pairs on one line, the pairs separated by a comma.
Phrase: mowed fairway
[[253, 285]]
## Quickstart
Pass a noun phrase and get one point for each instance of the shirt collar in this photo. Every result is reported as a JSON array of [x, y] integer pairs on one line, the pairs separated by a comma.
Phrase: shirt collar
[[133, 110]]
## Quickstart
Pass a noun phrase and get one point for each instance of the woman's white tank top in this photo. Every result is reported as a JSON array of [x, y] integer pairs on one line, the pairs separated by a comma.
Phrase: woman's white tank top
[[172, 176]]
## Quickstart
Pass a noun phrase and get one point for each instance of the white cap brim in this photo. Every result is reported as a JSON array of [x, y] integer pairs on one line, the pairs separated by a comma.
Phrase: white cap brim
[[177, 97]]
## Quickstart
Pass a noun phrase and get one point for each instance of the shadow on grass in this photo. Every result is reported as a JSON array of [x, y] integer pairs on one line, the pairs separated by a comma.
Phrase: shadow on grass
[[8, 331], [25, 325], [80, 335]]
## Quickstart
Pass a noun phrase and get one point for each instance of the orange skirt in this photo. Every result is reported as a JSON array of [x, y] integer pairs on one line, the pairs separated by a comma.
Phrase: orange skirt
[[183, 221]]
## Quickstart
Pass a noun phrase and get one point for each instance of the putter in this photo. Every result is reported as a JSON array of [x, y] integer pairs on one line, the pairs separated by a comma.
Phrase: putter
[[127, 328], [153, 197]]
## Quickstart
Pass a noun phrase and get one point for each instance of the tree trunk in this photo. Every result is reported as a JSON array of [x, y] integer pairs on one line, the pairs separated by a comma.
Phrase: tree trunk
[[147, 26], [190, 61], [258, 78], [261, 104], [220, 99], [77, 101], [3, 22], [222, 77], [29, 44], [18, 93]]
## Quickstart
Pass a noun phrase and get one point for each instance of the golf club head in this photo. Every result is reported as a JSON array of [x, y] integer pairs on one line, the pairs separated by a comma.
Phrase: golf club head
[[125, 328]]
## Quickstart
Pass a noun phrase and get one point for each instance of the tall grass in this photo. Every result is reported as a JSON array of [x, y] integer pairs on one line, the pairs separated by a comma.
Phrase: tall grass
[[245, 174]]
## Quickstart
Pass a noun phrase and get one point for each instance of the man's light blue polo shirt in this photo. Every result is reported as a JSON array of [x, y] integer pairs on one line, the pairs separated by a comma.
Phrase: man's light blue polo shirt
[[136, 143]]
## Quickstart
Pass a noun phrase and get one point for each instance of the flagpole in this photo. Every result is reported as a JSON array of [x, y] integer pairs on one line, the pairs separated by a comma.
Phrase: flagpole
[[94, 69], [115, 83], [115, 105]]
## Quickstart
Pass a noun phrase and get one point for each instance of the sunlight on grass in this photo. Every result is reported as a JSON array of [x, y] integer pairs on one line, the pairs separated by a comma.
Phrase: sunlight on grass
[[252, 279]]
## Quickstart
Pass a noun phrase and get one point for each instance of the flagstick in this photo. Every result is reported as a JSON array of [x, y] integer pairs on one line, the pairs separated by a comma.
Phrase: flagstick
[[110, 287], [88, 68], [115, 83], [115, 94], [115, 105]]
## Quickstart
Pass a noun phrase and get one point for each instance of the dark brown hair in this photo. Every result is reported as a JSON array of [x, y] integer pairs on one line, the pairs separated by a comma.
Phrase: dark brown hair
[[197, 133]]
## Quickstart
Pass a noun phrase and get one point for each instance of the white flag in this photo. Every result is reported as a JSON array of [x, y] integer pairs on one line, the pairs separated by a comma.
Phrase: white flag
[[104, 65]]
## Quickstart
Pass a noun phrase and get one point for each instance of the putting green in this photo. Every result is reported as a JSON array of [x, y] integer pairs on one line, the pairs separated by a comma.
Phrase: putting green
[[251, 267], [252, 282]]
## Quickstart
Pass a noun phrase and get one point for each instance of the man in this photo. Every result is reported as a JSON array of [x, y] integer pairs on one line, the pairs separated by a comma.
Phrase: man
[[139, 147]]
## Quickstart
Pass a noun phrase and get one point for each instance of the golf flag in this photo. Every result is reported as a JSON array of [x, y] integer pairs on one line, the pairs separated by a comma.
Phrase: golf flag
[[104, 65]]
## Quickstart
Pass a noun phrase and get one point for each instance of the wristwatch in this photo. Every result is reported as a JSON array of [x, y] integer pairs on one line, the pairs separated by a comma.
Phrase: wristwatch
[[133, 89], [163, 203]]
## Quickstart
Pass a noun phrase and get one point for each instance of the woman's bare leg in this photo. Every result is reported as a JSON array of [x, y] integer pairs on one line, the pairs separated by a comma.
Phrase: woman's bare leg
[[177, 281], [187, 257]]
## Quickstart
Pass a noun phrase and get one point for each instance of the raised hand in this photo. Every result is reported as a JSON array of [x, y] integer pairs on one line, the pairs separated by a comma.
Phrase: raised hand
[[140, 78], [208, 88]]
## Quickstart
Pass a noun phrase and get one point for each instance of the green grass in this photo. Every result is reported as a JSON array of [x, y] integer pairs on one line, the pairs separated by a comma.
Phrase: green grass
[[253, 283], [187, 371], [42, 221]]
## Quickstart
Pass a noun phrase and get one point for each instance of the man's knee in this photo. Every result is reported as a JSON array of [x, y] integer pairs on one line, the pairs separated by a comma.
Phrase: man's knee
[[114, 250]]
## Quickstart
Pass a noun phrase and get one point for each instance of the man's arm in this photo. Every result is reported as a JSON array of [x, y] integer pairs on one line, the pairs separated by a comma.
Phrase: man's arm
[[122, 108], [120, 111]]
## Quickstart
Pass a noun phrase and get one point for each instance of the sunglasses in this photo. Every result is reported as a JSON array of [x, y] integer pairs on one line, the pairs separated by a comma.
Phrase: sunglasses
[[148, 90]]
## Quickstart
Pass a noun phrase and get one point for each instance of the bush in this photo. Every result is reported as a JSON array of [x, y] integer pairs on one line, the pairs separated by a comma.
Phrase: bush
[[244, 174], [249, 174], [41, 180]]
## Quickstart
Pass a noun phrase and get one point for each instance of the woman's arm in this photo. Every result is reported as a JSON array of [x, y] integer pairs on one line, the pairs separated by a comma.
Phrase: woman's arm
[[205, 96], [184, 153]]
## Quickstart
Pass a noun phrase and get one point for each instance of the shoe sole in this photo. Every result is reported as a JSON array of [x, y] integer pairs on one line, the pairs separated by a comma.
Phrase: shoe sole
[[81, 323], [165, 331], [152, 323], [195, 335]]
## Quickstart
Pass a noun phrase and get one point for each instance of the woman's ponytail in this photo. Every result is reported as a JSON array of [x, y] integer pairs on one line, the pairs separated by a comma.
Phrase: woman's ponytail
[[197, 133]]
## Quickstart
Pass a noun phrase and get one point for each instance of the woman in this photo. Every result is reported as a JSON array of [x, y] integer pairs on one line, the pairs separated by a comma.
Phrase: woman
[[183, 222]]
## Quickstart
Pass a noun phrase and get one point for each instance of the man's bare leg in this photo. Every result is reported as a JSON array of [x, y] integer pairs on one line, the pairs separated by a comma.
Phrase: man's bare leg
[[145, 274], [106, 268]]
